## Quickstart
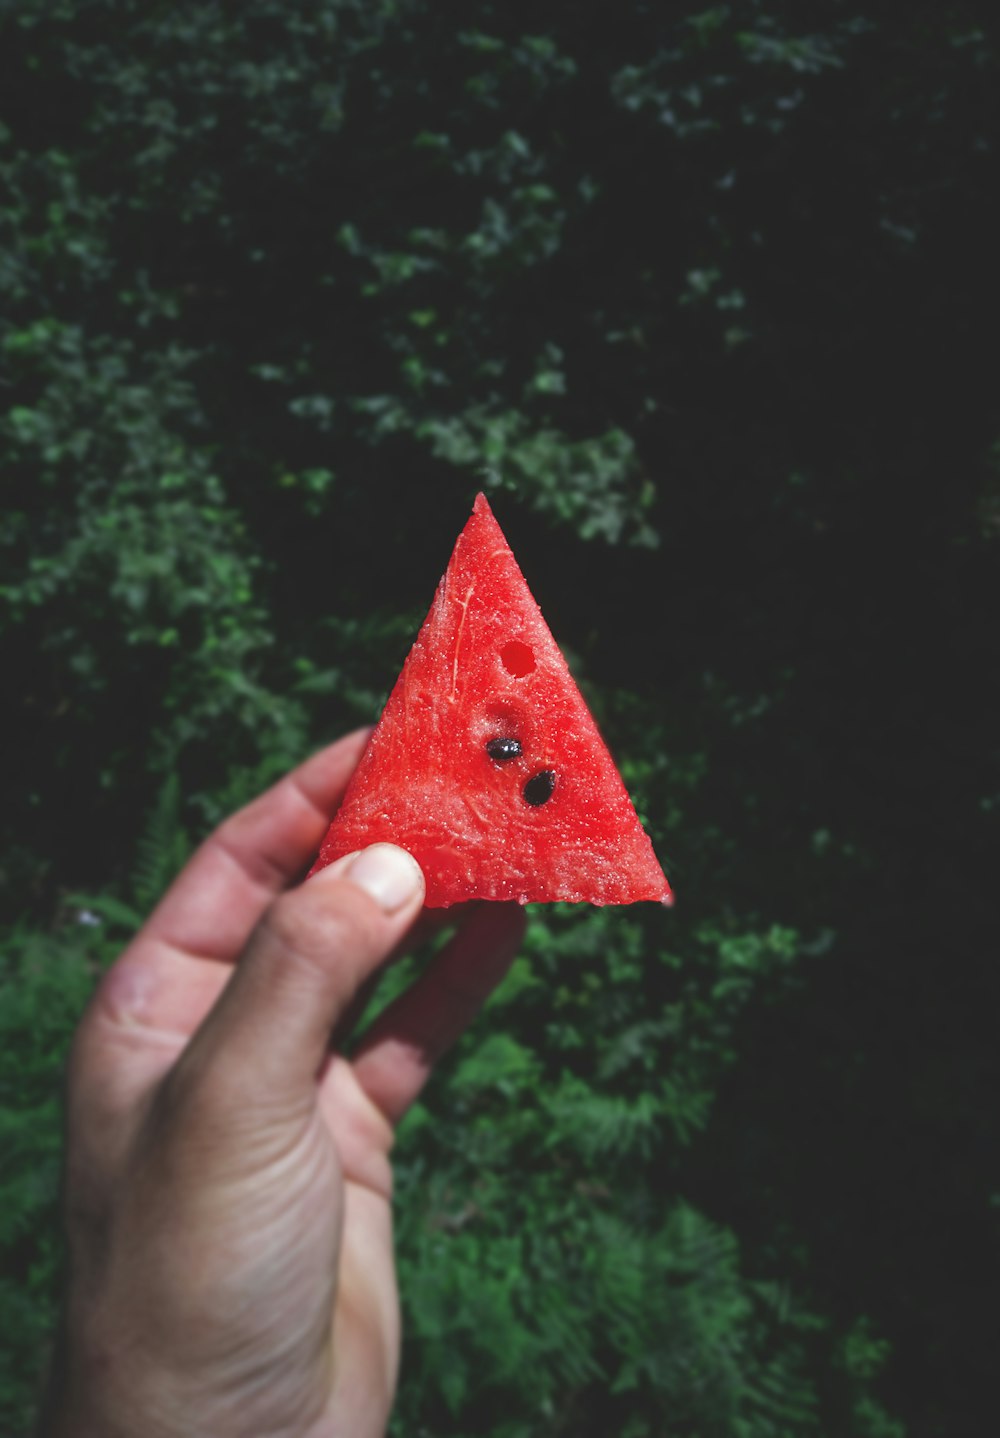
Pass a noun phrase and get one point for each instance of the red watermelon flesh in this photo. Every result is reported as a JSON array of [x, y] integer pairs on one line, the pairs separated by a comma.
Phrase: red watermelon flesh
[[486, 763]]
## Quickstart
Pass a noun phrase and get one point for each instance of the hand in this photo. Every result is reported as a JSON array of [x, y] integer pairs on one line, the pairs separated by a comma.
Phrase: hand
[[228, 1185]]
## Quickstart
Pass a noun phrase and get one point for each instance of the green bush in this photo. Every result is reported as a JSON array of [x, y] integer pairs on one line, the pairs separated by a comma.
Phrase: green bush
[[44, 982]]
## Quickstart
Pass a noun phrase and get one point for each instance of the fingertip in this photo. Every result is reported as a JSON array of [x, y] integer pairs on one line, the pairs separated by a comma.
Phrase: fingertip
[[354, 739], [385, 872], [500, 921]]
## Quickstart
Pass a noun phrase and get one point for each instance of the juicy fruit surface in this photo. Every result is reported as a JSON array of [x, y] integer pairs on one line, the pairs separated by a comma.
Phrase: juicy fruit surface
[[541, 817]]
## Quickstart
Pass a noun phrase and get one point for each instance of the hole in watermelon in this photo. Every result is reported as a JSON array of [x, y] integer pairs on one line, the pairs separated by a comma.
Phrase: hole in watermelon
[[517, 658]]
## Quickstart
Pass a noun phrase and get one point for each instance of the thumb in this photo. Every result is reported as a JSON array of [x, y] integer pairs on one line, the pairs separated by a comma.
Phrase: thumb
[[268, 1035]]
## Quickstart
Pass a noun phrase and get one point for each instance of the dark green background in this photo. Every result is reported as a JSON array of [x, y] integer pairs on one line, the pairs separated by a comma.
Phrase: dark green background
[[707, 301]]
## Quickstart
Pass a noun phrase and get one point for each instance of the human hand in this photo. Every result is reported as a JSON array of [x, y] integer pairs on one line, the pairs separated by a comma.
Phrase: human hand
[[228, 1184]]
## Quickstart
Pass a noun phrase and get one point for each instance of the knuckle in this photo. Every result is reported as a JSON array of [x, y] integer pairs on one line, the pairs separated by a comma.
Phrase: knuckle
[[313, 924], [198, 1102], [237, 838], [94, 1076]]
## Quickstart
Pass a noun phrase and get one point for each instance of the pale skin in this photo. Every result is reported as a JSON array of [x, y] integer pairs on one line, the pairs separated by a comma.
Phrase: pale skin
[[228, 1179]]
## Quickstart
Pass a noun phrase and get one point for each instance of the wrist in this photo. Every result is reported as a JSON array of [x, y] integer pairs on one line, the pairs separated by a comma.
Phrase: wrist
[[102, 1385], [99, 1389]]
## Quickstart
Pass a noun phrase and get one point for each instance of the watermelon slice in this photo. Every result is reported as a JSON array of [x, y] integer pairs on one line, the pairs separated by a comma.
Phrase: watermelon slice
[[486, 763]]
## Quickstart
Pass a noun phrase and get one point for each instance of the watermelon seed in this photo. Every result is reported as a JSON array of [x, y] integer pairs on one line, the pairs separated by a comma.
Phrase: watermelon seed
[[502, 751], [538, 789]]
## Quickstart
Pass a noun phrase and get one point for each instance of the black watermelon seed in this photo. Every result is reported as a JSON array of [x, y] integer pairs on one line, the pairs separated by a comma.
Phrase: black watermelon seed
[[538, 789], [502, 751]]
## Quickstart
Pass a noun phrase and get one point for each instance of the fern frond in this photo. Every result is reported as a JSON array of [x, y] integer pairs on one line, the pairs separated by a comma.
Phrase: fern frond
[[162, 848]]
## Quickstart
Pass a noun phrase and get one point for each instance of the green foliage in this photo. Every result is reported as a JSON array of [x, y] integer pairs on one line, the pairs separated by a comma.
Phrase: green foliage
[[589, 1325], [44, 982], [591, 484]]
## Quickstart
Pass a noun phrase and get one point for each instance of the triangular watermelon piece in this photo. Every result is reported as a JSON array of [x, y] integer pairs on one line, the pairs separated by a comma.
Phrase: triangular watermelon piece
[[486, 763]]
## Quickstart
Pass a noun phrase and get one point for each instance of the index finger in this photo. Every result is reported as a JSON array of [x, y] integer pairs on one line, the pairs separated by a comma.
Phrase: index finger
[[218, 898]]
